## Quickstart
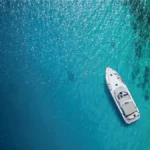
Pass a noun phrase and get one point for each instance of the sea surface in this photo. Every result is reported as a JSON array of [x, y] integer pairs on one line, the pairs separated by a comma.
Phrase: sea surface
[[53, 56]]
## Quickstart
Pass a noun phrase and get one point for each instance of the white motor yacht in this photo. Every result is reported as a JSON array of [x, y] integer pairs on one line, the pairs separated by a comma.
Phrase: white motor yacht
[[122, 96]]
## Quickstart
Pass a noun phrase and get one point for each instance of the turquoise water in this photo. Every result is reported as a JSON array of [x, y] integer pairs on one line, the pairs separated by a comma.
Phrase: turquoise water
[[53, 57]]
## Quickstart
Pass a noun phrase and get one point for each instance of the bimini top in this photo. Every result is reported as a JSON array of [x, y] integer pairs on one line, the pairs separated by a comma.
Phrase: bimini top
[[122, 95]]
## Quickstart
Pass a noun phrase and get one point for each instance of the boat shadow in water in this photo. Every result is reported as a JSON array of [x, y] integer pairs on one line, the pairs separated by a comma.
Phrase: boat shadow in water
[[110, 99]]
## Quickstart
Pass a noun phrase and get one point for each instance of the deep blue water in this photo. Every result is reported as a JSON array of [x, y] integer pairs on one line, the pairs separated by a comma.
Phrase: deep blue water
[[53, 95]]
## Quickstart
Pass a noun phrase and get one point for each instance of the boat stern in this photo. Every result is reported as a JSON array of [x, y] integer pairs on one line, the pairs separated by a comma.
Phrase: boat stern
[[132, 118]]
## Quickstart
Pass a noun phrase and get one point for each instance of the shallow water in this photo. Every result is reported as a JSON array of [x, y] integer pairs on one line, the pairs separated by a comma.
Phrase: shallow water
[[53, 57]]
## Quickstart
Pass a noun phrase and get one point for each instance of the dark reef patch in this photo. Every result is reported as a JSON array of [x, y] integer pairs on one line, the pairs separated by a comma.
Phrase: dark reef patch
[[71, 76], [141, 13], [146, 75], [138, 49], [113, 45], [134, 26], [148, 18], [140, 85], [146, 97], [135, 72], [147, 83]]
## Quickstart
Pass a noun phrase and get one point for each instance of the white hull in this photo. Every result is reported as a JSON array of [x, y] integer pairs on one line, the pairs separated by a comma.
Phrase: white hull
[[122, 96]]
